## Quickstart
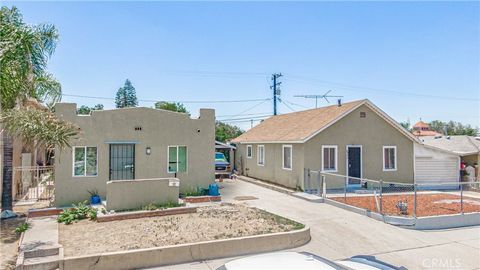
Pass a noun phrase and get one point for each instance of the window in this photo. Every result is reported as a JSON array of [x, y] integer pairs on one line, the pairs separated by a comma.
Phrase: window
[[177, 159], [249, 151], [287, 157], [363, 114], [84, 161], [389, 158], [329, 161], [261, 155]]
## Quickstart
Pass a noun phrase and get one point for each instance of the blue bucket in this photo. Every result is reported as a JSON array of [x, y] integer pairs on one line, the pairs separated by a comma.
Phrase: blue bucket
[[213, 190]]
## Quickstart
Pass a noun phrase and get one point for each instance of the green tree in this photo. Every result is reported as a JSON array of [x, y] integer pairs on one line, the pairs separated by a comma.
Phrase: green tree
[[86, 110], [406, 125], [24, 52], [453, 128], [97, 107], [225, 132], [126, 96], [171, 106]]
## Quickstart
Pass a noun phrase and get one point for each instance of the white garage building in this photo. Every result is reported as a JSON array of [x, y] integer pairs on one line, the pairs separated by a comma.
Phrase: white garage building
[[434, 165]]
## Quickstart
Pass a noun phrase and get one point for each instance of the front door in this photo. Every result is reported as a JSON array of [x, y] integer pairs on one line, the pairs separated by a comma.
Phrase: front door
[[122, 161], [354, 165]]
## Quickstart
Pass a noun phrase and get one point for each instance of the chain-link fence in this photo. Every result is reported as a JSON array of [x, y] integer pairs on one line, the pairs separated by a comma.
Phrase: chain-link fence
[[396, 198]]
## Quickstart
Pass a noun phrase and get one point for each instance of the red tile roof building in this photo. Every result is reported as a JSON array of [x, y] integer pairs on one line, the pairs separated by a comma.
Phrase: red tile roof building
[[423, 129]]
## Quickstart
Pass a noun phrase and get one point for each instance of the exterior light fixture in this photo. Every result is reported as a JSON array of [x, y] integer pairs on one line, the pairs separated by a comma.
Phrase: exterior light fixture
[[148, 150]]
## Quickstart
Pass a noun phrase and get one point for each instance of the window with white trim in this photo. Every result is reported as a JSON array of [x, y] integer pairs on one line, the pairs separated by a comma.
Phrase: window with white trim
[[329, 160], [287, 157], [85, 161], [249, 151], [389, 158], [177, 159], [261, 155]]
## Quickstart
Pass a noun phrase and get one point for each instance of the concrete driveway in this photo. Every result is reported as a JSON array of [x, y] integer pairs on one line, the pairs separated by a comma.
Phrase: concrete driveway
[[339, 234]]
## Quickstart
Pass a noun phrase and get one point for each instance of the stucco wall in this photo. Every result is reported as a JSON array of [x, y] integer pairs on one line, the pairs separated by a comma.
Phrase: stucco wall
[[273, 170], [372, 133], [160, 129], [133, 194]]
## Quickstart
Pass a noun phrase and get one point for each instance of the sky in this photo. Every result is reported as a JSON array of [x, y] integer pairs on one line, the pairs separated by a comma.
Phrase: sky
[[415, 60]]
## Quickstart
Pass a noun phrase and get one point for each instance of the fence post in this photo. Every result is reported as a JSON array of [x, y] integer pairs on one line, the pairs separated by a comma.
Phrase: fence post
[[381, 196], [319, 186], [324, 187], [461, 198], [304, 179], [415, 200]]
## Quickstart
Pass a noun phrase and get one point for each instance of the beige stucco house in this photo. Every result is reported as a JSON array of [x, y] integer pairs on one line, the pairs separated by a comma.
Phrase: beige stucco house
[[356, 139], [133, 143]]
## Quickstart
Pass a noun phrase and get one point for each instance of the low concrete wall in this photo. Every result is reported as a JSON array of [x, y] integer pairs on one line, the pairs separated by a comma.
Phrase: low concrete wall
[[132, 194], [420, 223], [447, 221], [150, 257], [146, 214]]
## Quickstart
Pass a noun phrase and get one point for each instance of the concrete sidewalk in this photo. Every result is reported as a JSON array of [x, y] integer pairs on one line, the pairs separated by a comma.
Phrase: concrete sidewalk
[[339, 234]]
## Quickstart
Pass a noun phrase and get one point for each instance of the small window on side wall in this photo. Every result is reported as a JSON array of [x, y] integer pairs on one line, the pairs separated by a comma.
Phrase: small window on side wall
[[287, 157], [261, 155], [249, 151], [389, 158], [84, 161]]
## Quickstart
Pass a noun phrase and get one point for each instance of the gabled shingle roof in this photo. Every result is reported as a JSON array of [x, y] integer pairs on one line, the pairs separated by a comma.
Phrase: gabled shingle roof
[[461, 144], [296, 126]]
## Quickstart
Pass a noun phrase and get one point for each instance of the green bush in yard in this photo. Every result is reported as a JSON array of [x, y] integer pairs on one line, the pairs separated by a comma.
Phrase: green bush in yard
[[77, 212], [22, 228]]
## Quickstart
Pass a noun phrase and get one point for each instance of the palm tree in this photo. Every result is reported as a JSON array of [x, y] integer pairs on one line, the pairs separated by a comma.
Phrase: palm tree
[[24, 52]]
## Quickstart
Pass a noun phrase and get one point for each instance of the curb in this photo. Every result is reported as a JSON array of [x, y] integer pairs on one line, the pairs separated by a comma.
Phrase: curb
[[202, 199], [207, 250], [266, 185]]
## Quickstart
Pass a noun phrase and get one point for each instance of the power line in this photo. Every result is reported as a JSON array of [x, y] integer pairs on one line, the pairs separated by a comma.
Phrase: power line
[[286, 105], [181, 101], [349, 87], [251, 108], [246, 118], [230, 115], [295, 104]]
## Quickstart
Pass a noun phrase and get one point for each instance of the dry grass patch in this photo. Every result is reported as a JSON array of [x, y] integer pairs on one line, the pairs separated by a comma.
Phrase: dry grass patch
[[209, 223]]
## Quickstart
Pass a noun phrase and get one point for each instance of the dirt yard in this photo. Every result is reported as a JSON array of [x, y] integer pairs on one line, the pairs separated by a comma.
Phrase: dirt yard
[[427, 204], [209, 223], [9, 243]]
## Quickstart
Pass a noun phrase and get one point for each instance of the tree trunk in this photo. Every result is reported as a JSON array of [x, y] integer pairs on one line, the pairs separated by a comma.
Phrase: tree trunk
[[7, 172]]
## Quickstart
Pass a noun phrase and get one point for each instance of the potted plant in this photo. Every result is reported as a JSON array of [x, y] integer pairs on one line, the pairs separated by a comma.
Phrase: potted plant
[[94, 197]]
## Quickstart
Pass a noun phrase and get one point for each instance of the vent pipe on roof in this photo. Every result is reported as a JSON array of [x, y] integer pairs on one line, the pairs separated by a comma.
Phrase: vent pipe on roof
[[339, 102]]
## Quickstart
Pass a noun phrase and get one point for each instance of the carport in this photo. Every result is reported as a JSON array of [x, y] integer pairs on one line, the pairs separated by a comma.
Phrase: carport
[[228, 150]]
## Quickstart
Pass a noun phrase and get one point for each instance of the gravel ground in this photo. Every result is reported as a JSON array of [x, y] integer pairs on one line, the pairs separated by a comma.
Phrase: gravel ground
[[209, 223], [427, 204]]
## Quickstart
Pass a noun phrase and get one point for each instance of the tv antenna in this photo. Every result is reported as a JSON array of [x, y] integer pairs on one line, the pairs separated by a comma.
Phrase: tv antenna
[[316, 97]]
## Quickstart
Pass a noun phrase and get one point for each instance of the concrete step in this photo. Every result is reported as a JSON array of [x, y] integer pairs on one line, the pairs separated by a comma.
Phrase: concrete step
[[42, 263], [42, 252]]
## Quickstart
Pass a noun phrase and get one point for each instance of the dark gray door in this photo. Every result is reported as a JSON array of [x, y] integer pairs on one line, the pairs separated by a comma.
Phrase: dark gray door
[[122, 161], [354, 164]]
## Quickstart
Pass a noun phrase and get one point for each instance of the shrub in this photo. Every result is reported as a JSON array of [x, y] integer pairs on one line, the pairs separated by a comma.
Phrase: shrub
[[156, 206], [77, 212], [22, 228], [196, 192]]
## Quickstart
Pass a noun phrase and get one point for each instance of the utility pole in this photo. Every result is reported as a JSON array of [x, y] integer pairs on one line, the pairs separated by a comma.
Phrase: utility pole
[[276, 90]]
